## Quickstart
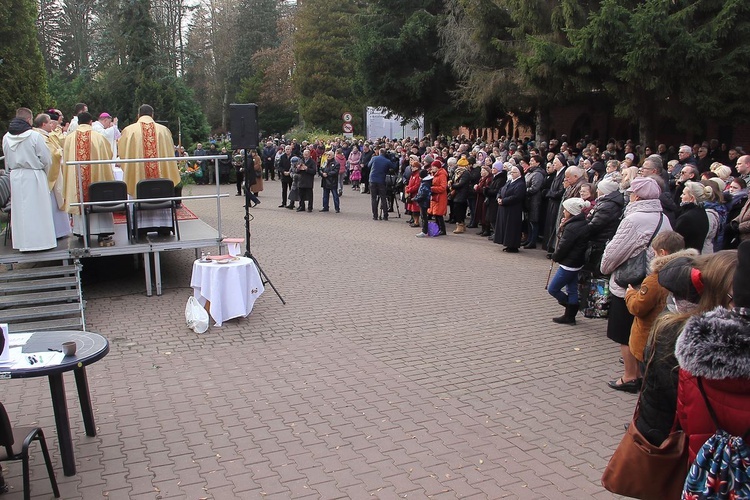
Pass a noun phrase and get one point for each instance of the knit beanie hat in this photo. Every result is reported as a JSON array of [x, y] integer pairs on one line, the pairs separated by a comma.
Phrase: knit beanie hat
[[575, 205], [463, 162], [436, 163], [607, 186], [645, 188], [742, 276], [294, 159]]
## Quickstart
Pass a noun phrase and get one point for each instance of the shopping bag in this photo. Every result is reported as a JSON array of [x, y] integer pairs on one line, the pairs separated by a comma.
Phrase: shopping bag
[[196, 316]]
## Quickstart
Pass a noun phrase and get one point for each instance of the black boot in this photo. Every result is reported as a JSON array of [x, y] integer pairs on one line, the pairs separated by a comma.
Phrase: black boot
[[441, 225], [569, 318]]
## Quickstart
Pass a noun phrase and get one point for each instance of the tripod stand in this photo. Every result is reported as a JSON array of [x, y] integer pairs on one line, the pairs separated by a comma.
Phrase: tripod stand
[[248, 253]]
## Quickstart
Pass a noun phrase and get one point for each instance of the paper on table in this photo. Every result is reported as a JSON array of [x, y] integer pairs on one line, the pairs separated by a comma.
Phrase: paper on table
[[19, 339], [23, 360]]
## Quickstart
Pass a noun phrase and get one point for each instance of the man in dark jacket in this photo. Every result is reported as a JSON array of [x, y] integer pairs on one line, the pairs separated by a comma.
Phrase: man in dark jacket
[[534, 181], [285, 163], [329, 174], [554, 197], [367, 155], [380, 166], [307, 170], [269, 155]]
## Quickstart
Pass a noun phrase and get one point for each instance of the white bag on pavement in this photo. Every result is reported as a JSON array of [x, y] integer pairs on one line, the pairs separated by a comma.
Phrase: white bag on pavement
[[196, 316]]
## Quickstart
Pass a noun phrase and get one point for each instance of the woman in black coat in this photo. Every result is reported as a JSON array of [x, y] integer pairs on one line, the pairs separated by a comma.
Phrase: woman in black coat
[[510, 212], [692, 223], [499, 178], [603, 221], [570, 253]]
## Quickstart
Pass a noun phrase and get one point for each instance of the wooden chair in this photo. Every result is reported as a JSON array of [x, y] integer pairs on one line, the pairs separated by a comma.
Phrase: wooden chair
[[14, 445]]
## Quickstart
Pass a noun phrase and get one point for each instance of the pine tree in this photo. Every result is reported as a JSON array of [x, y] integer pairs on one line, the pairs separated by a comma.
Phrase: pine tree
[[323, 63], [22, 73]]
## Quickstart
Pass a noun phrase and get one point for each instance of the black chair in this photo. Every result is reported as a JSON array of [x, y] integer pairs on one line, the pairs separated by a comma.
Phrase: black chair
[[155, 188], [14, 445], [103, 193]]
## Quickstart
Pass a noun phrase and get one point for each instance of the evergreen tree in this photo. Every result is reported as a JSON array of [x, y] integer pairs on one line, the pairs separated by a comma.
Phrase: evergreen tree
[[22, 73], [399, 65], [323, 63]]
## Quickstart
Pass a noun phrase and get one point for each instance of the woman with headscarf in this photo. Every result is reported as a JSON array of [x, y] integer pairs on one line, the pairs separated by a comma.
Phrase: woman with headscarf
[[643, 219], [485, 177], [460, 189], [499, 178], [412, 187], [510, 212]]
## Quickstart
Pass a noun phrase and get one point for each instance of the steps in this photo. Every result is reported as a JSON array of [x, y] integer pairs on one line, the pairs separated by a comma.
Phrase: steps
[[42, 298]]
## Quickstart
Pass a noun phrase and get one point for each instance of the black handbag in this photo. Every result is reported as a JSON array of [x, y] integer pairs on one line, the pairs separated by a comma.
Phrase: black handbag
[[633, 271]]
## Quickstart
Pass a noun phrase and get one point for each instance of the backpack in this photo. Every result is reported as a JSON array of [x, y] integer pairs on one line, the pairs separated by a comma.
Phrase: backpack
[[721, 469]]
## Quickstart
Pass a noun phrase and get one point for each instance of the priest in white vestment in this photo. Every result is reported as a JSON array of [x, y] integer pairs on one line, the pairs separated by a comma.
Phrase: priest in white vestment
[[107, 126], [46, 124], [28, 160], [85, 144]]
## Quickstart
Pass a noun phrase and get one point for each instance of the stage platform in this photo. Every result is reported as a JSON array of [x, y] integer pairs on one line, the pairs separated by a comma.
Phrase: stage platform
[[194, 234]]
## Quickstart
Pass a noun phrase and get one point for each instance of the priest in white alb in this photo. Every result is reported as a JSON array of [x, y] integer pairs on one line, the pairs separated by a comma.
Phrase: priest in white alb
[[46, 124], [85, 144], [28, 160]]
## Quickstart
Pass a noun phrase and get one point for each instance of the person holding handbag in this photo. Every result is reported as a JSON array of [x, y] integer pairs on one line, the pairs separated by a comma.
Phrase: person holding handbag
[[642, 221]]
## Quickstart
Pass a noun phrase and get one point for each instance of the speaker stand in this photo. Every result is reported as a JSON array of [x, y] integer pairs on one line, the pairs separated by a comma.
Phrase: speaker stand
[[248, 253]]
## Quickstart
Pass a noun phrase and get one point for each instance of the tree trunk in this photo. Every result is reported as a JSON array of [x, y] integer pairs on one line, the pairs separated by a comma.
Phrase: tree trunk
[[541, 124], [646, 128]]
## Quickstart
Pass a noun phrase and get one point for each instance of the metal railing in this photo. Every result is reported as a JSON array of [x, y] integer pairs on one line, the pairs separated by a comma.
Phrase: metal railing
[[80, 203]]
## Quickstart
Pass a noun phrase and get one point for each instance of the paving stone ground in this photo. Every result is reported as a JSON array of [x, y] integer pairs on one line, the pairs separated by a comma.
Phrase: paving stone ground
[[399, 368]]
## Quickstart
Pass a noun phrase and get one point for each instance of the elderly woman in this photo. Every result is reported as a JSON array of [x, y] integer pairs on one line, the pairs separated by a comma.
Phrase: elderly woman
[[693, 223], [643, 219], [485, 177], [510, 212], [603, 220], [499, 178]]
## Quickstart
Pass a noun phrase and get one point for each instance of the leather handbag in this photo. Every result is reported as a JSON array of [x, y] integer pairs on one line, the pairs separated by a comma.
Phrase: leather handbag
[[633, 271], [639, 469]]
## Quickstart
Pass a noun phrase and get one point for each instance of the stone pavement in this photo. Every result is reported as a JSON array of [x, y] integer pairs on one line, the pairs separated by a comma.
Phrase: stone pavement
[[399, 368]]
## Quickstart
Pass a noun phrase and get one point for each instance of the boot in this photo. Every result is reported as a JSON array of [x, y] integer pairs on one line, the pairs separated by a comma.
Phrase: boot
[[441, 225], [460, 228], [569, 318], [416, 221]]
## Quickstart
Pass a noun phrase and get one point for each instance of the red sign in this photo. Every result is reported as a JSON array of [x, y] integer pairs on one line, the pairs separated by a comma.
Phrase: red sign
[[348, 128]]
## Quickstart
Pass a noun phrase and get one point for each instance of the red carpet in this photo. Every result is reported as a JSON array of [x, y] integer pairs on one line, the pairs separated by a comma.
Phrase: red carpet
[[183, 213]]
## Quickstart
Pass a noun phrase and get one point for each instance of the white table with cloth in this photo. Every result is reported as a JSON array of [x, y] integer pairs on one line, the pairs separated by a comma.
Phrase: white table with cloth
[[231, 288]]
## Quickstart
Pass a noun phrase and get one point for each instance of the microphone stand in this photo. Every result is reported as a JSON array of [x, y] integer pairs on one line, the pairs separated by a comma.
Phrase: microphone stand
[[248, 253]]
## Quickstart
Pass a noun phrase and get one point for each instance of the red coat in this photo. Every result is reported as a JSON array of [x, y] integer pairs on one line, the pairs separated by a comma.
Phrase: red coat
[[411, 191], [714, 346], [439, 201]]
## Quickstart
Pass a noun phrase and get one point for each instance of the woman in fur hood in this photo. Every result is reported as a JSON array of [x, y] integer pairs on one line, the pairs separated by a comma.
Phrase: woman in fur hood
[[715, 346], [697, 285]]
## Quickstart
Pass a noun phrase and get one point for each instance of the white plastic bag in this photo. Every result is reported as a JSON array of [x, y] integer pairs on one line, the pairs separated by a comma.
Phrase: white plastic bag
[[196, 316]]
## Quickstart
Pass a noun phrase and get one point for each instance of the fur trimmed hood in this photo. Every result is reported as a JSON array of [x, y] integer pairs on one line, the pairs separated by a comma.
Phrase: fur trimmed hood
[[716, 345], [658, 262]]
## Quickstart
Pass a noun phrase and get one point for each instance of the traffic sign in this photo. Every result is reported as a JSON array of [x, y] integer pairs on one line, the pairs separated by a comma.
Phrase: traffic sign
[[347, 117], [348, 128]]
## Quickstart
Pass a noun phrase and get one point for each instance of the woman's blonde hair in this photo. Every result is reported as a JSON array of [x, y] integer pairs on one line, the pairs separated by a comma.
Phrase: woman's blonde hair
[[698, 191], [716, 277]]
